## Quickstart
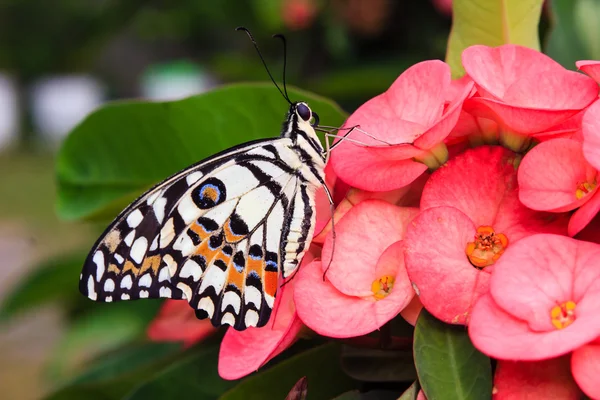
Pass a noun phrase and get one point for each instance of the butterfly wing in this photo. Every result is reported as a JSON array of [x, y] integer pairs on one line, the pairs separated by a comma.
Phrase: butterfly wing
[[210, 234]]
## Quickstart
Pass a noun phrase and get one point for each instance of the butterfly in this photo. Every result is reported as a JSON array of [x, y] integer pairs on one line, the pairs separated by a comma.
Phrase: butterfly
[[221, 234]]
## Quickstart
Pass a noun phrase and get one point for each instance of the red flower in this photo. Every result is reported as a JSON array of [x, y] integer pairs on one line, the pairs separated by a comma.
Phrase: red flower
[[470, 215], [535, 380], [414, 117], [524, 91], [366, 284], [554, 176], [176, 322], [544, 300]]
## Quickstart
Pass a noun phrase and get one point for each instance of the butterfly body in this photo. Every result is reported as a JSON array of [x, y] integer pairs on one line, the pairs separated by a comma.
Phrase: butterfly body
[[221, 234]]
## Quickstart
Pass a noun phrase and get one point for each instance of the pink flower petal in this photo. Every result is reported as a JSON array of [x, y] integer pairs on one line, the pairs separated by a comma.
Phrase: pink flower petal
[[535, 380], [366, 169], [435, 252], [244, 352], [568, 129], [517, 221], [532, 276], [519, 119], [591, 68], [585, 214], [177, 322], [474, 182], [494, 70], [524, 90], [550, 174], [331, 313], [440, 131], [418, 94], [411, 312], [591, 134], [352, 270], [496, 333], [552, 91], [585, 364]]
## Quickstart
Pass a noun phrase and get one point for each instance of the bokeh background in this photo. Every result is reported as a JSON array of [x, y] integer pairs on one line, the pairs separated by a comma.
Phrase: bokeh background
[[61, 59]]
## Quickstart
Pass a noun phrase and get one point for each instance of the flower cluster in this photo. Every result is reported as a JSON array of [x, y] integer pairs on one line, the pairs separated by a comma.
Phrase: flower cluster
[[475, 198]]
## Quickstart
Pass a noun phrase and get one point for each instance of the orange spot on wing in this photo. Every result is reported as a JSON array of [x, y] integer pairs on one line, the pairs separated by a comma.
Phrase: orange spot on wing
[[271, 283], [114, 268], [206, 252], [151, 263], [231, 237], [129, 266], [235, 278], [255, 265], [199, 230], [210, 193]]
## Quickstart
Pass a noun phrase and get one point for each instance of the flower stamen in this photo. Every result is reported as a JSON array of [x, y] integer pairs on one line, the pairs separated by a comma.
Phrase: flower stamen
[[487, 247], [563, 315], [585, 188], [382, 287]]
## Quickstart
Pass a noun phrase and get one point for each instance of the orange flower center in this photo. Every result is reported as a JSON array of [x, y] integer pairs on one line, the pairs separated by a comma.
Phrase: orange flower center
[[382, 287], [585, 188], [563, 315], [487, 247]]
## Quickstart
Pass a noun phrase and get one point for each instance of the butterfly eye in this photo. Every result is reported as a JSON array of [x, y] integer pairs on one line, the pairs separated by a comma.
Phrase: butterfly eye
[[303, 111]]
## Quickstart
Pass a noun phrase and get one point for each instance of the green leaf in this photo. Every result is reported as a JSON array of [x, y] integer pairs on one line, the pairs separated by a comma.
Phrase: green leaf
[[105, 328], [194, 377], [376, 365], [447, 363], [491, 23], [320, 365], [118, 372], [124, 360], [575, 33], [125, 147], [55, 280]]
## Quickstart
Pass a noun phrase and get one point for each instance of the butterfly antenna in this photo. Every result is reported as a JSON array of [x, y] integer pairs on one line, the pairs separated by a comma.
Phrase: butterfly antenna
[[241, 28], [280, 36]]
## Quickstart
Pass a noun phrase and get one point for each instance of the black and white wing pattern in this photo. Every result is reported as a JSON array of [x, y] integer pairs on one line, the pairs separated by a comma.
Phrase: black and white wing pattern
[[219, 234]]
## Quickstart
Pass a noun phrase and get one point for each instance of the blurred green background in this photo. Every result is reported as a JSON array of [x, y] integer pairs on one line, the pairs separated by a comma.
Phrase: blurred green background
[[61, 59]]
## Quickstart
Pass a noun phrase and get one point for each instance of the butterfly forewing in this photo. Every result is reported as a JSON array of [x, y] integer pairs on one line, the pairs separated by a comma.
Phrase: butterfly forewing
[[215, 234]]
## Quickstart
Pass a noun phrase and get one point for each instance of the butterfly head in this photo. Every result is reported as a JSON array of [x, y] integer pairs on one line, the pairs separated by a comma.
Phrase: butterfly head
[[300, 125]]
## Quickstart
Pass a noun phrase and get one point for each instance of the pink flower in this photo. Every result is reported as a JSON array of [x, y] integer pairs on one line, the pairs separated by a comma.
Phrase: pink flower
[[591, 134], [366, 284], [591, 68], [470, 215], [244, 352], [544, 300], [585, 365], [176, 322], [554, 176], [523, 90], [535, 380], [414, 117]]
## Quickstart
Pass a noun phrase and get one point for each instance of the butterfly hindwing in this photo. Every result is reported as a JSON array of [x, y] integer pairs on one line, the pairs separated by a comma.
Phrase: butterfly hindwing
[[228, 255]]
